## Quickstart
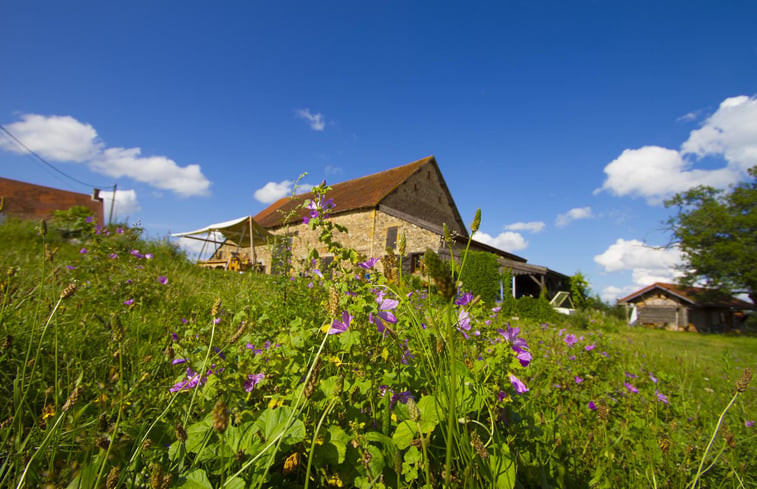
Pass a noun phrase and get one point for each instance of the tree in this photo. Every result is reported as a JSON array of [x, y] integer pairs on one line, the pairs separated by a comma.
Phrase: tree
[[579, 290], [717, 233]]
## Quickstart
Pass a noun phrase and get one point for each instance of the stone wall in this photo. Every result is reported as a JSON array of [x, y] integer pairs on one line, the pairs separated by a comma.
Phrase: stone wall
[[367, 234], [29, 201]]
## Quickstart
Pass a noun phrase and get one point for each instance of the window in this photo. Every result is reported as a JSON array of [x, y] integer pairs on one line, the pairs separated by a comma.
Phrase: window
[[391, 238], [416, 262]]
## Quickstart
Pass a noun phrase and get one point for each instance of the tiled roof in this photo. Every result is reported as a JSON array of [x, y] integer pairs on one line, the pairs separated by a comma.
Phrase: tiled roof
[[695, 295], [360, 193]]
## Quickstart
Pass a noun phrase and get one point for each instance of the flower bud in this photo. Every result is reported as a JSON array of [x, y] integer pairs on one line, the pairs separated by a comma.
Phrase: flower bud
[[476, 221]]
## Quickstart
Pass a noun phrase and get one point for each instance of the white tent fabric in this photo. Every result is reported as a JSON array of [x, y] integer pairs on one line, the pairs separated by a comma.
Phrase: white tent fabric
[[237, 230]]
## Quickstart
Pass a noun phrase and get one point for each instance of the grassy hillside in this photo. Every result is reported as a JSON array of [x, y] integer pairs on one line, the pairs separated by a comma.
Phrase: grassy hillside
[[124, 365]]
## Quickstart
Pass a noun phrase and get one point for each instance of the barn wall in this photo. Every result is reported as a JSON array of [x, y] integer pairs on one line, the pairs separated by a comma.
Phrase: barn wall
[[29, 201]]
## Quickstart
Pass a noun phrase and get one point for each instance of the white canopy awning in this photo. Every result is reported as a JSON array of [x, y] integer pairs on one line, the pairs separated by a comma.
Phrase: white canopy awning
[[237, 230]]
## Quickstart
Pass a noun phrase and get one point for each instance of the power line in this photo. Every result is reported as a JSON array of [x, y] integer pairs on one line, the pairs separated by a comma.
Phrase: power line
[[18, 141]]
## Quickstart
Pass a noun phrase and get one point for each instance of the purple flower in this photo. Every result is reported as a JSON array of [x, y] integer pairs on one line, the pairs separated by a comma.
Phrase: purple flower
[[183, 320], [252, 381], [465, 299], [652, 378], [163, 279], [463, 320], [149, 256], [604, 354], [83, 251], [662, 397], [128, 302], [520, 387], [631, 388], [368, 264], [524, 357], [113, 256], [510, 335], [559, 333], [402, 397], [89, 219], [216, 320], [70, 267], [495, 310], [255, 351], [748, 423], [501, 396], [578, 379], [120, 230], [630, 375], [174, 337], [592, 406], [135, 253], [177, 361], [570, 339], [193, 379], [590, 347], [572, 357], [338, 327]]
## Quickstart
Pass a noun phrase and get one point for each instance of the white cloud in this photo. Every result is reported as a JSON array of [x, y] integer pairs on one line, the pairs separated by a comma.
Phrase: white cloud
[[55, 138], [648, 264], [316, 121], [611, 294], [273, 191], [126, 204], [507, 241], [533, 226], [655, 173], [157, 171], [64, 139], [731, 132], [574, 214]]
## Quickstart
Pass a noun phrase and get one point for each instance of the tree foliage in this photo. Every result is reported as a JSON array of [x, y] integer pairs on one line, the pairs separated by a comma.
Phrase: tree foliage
[[717, 233], [579, 290], [481, 275]]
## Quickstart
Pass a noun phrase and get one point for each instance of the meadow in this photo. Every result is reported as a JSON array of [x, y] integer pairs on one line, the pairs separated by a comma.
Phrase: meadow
[[122, 364]]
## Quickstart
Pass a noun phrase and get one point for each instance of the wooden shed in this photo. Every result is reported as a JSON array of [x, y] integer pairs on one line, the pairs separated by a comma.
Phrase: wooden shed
[[679, 308]]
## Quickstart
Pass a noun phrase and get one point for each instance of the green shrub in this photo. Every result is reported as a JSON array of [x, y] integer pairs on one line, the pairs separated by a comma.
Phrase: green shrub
[[480, 275]]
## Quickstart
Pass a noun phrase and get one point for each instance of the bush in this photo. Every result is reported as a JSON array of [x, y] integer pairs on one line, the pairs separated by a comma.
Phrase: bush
[[480, 275]]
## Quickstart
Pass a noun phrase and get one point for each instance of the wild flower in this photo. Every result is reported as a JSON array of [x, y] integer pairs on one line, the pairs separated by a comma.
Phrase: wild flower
[[338, 327], [252, 381], [216, 320], [631, 388], [630, 375], [120, 230], [174, 337], [463, 320], [193, 379], [578, 379], [149, 256], [83, 251], [748, 423], [368, 264], [464, 299], [519, 386], [652, 378], [590, 347], [255, 351], [177, 361], [662, 397], [385, 313], [592, 406], [163, 279], [128, 302], [70, 267], [113, 256], [570, 339]]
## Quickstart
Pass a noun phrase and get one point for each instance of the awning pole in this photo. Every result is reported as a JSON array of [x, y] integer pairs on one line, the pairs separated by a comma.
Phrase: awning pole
[[253, 258]]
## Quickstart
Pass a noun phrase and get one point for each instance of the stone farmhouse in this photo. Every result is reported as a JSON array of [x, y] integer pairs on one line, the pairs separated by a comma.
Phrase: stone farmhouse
[[377, 209], [678, 308], [28, 201]]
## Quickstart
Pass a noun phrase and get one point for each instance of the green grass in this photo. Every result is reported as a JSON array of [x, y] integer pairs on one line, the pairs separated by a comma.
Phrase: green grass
[[85, 387]]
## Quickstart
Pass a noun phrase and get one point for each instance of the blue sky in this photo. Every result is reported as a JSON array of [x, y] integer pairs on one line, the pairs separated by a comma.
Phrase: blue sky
[[568, 123]]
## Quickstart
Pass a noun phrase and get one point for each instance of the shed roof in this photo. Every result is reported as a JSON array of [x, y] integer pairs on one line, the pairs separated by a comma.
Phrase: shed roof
[[361, 193], [699, 296]]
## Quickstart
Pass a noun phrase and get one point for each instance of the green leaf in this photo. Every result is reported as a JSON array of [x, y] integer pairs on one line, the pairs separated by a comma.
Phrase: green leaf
[[197, 479], [405, 434], [502, 466], [273, 422]]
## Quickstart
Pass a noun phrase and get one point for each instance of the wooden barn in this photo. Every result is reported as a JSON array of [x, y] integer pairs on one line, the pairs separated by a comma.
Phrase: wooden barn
[[679, 308], [377, 209]]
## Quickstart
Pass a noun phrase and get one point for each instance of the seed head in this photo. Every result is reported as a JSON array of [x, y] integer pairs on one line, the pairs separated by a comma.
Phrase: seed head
[[68, 291], [478, 445], [743, 382], [216, 308], [7, 342], [73, 398], [476, 221], [220, 416], [333, 305], [447, 237], [664, 444], [238, 333], [604, 410], [402, 244], [310, 387], [412, 409], [102, 442], [11, 271], [112, 480], [146, 445], [181, 433], [42, 227]]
